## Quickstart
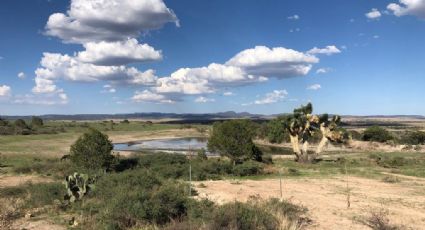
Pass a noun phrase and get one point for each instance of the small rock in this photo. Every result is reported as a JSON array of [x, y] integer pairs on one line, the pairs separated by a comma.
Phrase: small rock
[[29, 215]]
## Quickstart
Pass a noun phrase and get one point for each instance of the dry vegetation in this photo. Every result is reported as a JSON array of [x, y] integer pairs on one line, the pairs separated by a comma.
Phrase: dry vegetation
[[384, 183]]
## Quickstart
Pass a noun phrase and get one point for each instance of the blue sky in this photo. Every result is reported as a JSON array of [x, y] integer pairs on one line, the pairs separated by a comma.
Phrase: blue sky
[[356, 57]]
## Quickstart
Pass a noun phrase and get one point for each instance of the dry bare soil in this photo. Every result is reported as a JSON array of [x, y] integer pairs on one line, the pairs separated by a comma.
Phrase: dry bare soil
[[326, 199]]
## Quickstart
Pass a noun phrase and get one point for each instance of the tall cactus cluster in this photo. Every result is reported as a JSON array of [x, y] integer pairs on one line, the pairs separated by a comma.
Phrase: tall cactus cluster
[[77, 185], [301, 126]]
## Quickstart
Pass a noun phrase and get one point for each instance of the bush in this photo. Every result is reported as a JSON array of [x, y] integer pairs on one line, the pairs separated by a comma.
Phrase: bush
[[210, 169], [276, 132], [378, 220], [248, 168], [376, 133], [137, 198], [161, 162], [233, 139], [389, 161], [201, 154], [355, 135], [36, 122], [92, 151], [242, 216], [414, 138], [36, 195]]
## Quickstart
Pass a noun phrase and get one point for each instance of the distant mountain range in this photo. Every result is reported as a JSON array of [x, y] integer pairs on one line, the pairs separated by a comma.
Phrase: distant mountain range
[[184, 116], [145, 116]]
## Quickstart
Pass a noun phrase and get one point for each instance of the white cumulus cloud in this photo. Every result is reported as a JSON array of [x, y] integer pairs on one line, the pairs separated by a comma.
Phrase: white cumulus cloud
[[328, 50], [323, 70], [270, 98], [408, 7], [148, 96], [108, 20], [294, 17], [373, 14], [314, 87], [277, 62], [56, 66], [109, 89], [21, 75], [205, 79], [5, 91], [202, 99], [118, 53], [49, 99]]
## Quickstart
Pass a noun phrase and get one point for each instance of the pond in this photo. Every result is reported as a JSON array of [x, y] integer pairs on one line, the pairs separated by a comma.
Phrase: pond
[[174, 145]]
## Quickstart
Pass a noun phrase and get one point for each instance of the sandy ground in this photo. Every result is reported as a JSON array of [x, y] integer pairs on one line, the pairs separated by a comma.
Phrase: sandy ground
[[326, 199], [11, 181], [37, 223]]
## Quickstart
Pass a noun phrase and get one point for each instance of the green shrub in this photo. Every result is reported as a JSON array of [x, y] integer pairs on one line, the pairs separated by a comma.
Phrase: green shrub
[[276, 132], [239, 215], [36, 122], [248, 168], [92, 151], [210, 169], [233, 139], [389, 161], [137, 198], [285, 208], [36, 195], [161, 162], [202, 154], [355, 135], [376, 133], [414, 138]]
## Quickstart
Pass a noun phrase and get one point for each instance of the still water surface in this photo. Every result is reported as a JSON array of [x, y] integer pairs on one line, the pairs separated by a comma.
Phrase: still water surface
[[166, 145]]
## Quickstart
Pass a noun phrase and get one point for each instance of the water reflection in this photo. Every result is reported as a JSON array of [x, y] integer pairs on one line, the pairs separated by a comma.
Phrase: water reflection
[[164, 145]]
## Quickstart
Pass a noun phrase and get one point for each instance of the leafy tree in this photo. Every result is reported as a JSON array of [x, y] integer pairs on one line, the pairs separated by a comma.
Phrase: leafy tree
[[233, 139], [36, 122], [21, 124], [92, 151], [276, 132], [376, 133], [3, 122], [21, 128]]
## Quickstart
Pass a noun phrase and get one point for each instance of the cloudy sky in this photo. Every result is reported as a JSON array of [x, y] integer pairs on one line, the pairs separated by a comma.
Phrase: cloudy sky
[[356, 57]]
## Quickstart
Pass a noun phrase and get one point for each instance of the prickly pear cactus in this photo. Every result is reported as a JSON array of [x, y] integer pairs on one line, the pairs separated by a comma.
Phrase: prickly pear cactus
[[77, 185]]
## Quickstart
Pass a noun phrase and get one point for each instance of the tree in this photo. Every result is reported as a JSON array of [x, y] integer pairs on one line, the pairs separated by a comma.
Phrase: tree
[[21, 124], [36, 122], [3, 122], [376, 133], [301, 126], [233, 139], [92, 151], [20, 127], [276, 132]]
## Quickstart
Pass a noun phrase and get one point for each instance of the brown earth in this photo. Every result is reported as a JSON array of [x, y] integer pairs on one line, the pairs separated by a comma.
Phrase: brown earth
[[326, 199], [12, 181]]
